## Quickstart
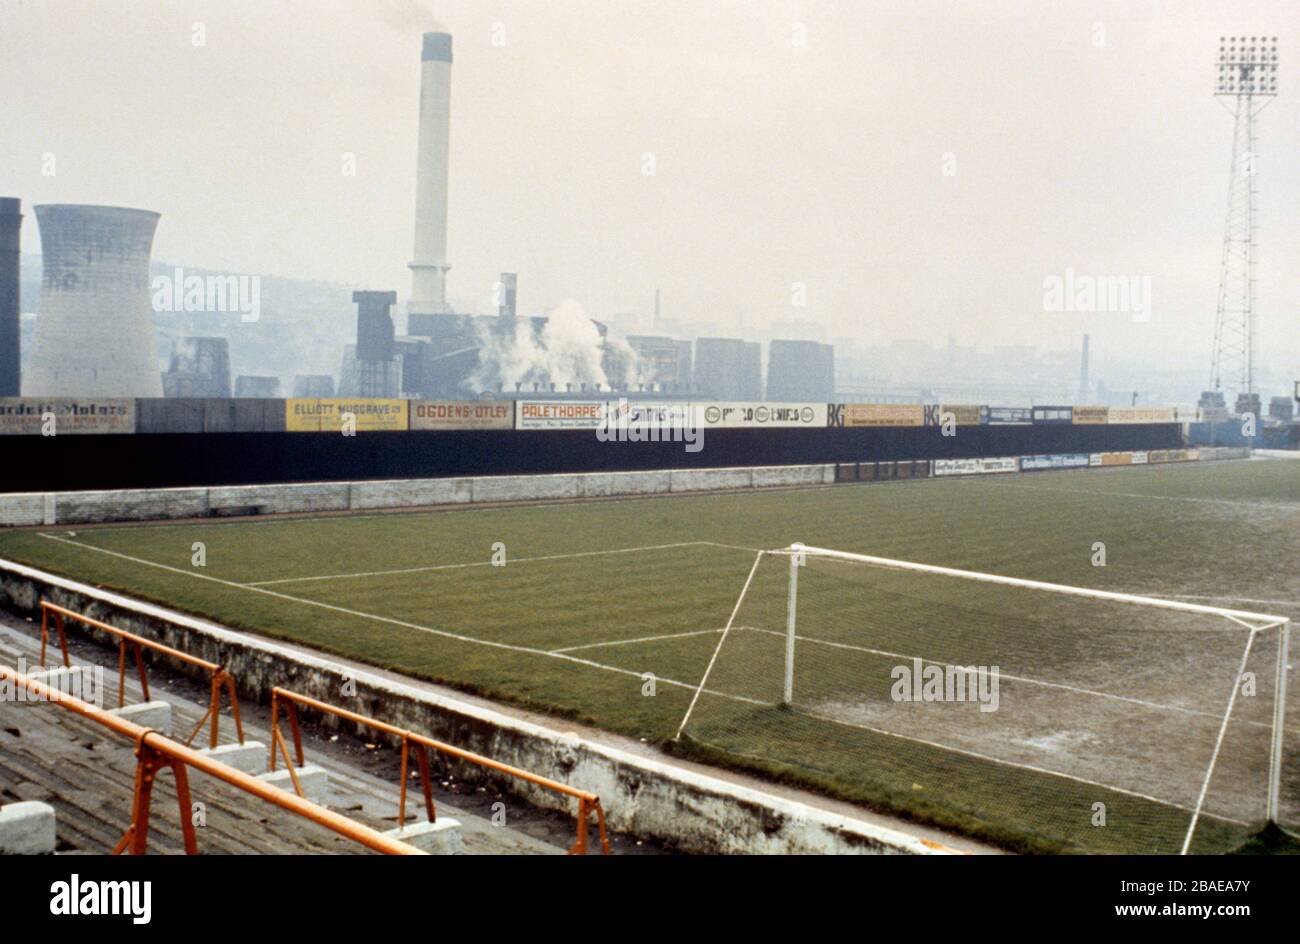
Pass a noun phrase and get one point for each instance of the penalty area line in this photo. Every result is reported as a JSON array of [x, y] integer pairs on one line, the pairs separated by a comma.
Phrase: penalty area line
[[486, 563], [359, 614]]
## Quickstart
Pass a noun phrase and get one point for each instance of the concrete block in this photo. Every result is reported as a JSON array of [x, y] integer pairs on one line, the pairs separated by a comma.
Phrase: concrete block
[[27, 829], [131, 505], [314, 780], [766, 476], [410, 492], [308, 496], [22, 509], [250, 757], [148, 714], [703, 480], [442, 837], [491, 488], [596, 484]]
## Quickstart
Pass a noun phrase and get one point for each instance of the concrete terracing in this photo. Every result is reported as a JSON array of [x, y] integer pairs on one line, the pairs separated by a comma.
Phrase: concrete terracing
[[84, 771]]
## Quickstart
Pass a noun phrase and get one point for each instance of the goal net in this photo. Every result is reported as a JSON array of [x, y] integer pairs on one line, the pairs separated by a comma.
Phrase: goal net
[[1052, 717]]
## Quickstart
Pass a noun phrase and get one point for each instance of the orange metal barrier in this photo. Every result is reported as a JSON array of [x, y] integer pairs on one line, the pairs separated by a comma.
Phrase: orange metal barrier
[[219, 677], [155, 751], [588, 803]]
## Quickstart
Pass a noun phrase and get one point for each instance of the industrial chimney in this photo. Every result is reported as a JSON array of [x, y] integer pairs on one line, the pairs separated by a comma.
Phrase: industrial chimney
[[11, 222], [94, 330], [1083, 372], [429, 267], [509, 290]]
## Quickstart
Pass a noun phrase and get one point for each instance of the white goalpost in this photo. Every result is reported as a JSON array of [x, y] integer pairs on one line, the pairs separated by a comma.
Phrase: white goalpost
[[1177, 709]]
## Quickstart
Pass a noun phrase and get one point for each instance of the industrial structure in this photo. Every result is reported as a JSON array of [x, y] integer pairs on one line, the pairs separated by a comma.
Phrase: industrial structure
[[729, 368], [11, 222], [1247, 78], [256, 387], [371, 367], [429, 266], [664, 362], [199, 367], [800, 370], [1084, 385], [509, 295], [95, 331], [313, 385]]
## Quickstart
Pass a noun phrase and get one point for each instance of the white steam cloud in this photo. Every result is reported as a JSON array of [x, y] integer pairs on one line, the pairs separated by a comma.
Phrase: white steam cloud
[[407, 16], [568, 350]]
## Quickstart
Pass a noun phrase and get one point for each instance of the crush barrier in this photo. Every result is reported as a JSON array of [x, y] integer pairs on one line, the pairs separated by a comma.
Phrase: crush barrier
[[218, 676], [154, 752], [588, 803]]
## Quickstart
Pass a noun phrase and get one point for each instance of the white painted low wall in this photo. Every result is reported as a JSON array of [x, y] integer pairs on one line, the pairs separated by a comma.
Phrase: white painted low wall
[[49, 508]]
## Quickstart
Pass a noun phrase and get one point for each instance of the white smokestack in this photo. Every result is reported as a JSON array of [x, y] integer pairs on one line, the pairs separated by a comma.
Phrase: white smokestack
[[429, 268]]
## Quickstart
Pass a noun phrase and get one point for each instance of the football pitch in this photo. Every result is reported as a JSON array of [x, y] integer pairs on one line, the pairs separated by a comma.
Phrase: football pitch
[[611, 613]]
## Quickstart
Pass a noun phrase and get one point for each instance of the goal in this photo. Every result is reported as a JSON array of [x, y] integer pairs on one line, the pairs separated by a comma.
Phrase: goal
[[1053, 717]]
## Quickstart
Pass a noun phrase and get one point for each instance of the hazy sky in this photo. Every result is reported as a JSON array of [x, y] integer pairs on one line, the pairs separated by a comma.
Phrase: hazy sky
[[778, 161]]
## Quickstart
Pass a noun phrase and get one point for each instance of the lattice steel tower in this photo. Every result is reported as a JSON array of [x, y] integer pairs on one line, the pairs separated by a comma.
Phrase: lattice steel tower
[[1247, 77]]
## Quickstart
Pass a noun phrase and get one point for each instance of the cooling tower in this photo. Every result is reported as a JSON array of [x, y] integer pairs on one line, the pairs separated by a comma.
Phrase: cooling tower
[[94, 330], [429, 268], [11, 221]]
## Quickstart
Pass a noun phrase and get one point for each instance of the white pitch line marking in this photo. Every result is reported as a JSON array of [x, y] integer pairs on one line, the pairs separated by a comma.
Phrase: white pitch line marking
[[629, 642], [486, 563], [1234, 503]]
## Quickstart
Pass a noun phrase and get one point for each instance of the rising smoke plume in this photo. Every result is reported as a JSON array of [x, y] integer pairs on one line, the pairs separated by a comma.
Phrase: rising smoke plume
[[407, 16], [567, 350]]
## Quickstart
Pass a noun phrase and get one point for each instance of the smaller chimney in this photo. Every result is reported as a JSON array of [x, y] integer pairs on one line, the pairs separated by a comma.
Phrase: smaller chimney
[[509, 283]]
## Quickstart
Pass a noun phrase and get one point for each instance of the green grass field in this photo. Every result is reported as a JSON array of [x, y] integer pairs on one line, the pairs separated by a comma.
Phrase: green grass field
[[594, 595]]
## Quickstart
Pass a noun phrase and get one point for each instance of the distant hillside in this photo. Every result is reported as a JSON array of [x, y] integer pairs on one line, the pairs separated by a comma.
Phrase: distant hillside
[[302, 328]]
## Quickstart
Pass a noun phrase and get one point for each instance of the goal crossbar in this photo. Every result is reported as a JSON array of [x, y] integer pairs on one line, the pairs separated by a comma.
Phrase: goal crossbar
[[1265, 620]]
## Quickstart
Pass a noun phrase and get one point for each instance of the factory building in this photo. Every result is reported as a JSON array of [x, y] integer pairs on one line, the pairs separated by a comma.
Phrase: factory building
[[11, 222], [728, 369], [663, 362], [247, 386], [313, 385], [199, 367], [801, 371], [94, 330]]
